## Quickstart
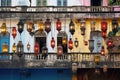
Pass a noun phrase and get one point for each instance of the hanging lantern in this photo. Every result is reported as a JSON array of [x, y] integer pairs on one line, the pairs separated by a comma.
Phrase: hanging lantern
[[70, 44], [82, 26], [40, 25], [44, 51], [98, 44], [58, 25], [96, 59], [52, 43], [36, 48], [59, 50], [14, 48], [103, 26], [72, 27], [20, 26], [5, 48], [28, 46], [110, 44], [47, 25], [64, 40], [29, 26], [14, 32], [93, 25], [91, 45], [20, 48], [104, 34], [85, 43], [4, 29], [114, 26], [102, 51], [76, 43]]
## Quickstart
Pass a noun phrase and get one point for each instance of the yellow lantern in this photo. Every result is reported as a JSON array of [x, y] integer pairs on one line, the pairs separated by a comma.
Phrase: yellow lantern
[[40, 25], [97, 59], [29, 26], [64, 40], [14, 48], [3, 29], [5, 48]]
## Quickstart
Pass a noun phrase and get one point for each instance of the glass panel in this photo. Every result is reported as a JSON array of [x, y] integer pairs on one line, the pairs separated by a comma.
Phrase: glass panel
[[38, 2], [59, 3], [64, 2], [44, 2]]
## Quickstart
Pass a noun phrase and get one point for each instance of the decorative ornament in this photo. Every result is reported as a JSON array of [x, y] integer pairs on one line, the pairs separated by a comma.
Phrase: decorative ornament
[[47, 25], [91, 45], [76, 42], [52, 42], [36, 48], [28, 46], [59, 50], [70, 44], [102, 51], [20, 49], [82, 26], [64, 40], [14, 48], [58, 25], [20, 26], [14, 32], [4, 29], [5, 48], [72, 27], [41, 25], [29, 26]]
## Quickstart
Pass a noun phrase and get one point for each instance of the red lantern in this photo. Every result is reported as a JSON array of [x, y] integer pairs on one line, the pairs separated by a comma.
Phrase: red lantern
[[14, 32], [104, 26], [59, 50], [104, 34], [110, 44], [58, 25], [36, 48], [52, 43], [47, 25], [102, 51], [85, 43], [70, 44]]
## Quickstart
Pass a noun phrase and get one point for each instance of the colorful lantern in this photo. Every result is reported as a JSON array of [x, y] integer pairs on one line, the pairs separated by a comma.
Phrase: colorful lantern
[[40, 25], [47, 25], [93, 25], [14, 48], [20, 26], [3, 28], [5, 48], [58, 25], [64, 40], [52, 43], [102, 51], [114, 26], [28, 46], [91, 45], [29, 26], [20, 48], [44, 50], [82, 26], [59, 50], [110, 44], [104, 34], [76, 43], [14, 32], [72, 27], [36, 48], [85, 43], [103, 26], [70, 44]]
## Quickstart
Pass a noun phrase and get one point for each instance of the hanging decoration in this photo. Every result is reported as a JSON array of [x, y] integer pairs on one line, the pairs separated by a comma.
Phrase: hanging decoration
[[28, 46], [36, 48], [58, 25], [76, 42], [85, 43], [64, 40], [114, 26], [14, 32], [29, 26], [59, 50], [52, 42], [20, 26], [82, 26], [5, 48], [70, 44], [102, 51], [40, 25], [20, 48], [110, 44], [4, 29], [44, 51], [104, 28], [47, 25], [72, 27], [91, 45], [14, 48]]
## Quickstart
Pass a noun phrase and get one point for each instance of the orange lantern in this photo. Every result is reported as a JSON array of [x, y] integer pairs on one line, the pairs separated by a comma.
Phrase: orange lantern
[[59, 50], [29, 26], [14, 48], [103, 26], [70, 44], [85, 43], [64, 40], [40, 25], [104, 34], [28, 46], [52, 43], [110, 44], [5, 48], [36, 48], [102, 51], [14, 32], [58, 25], [3, 28]]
